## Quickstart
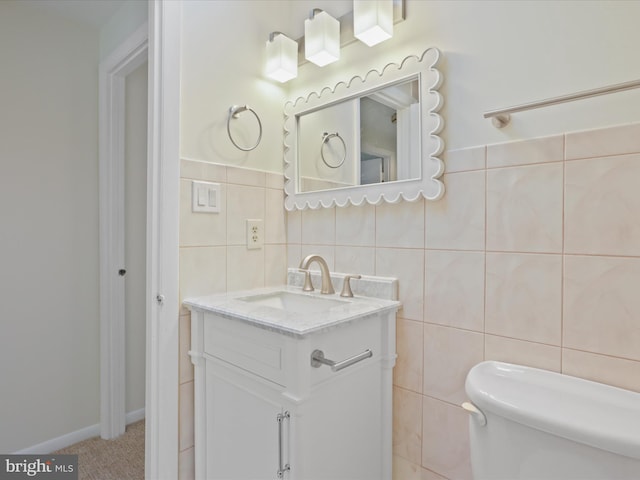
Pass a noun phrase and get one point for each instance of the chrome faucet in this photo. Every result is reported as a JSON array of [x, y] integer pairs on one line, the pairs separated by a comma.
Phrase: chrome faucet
[[327, 286]]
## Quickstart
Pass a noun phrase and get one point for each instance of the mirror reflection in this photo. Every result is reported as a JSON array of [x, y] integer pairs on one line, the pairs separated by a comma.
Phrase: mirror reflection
[[372, 138], [361, 141]]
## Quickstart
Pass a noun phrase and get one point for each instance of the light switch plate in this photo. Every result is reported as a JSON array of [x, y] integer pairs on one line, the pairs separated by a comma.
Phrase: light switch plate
[[205, 197]]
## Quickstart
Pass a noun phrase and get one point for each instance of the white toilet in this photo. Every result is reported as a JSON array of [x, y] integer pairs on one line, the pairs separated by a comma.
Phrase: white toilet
[[527, 423]]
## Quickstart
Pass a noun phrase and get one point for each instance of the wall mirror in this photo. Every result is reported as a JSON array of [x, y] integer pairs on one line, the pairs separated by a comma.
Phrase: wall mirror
[[371, 139]]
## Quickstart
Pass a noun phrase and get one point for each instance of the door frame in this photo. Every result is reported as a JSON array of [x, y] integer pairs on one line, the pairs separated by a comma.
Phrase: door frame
[[163, 222], [159, 43], [131, 54]]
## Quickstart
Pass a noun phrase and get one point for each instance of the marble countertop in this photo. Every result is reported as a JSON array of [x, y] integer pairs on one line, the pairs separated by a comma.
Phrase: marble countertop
[[340, 311]]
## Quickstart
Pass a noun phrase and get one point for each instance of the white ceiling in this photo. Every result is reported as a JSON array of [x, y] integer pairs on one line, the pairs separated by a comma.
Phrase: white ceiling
[[93, 13]]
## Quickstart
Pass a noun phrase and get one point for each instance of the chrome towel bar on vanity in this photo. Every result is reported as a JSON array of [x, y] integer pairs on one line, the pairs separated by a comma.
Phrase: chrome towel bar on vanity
[[317, 360]]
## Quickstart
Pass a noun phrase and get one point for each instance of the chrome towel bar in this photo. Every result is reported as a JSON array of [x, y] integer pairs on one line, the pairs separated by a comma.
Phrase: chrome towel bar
[[317, 360], [501, 118]]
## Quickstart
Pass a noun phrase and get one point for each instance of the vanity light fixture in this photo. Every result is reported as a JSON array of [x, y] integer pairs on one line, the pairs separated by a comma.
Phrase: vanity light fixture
[[372, 20], [321, 38], [282, 57]]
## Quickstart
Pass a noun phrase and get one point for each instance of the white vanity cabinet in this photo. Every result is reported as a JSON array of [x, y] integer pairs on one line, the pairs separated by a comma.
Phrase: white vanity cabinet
[[263, 412]]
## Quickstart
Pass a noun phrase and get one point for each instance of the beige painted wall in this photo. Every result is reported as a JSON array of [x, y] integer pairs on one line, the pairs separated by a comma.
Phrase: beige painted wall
[[495, 54], [499, 54], [222, 63], [49, 363]]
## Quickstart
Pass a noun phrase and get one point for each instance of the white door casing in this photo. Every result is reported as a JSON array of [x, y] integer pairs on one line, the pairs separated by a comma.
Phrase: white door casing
[[163, 210], [112, 73], [160, 43]]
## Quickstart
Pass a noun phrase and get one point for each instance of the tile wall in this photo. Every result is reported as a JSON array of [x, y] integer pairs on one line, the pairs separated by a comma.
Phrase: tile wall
[[532, 257], [214, 257]]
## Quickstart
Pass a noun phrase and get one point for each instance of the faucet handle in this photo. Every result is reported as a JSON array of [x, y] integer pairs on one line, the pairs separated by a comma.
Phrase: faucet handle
[[346, 285], [308, 286]]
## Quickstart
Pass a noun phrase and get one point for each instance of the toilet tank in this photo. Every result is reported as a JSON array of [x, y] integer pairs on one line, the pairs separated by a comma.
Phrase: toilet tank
[[528, 423]]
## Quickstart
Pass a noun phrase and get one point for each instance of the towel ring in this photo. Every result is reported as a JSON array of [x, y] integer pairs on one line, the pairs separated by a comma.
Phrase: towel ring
[[234, 112], [325, 138]]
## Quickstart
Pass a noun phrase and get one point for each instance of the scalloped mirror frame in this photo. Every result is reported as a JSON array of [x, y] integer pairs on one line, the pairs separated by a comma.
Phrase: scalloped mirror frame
[[429, 186]]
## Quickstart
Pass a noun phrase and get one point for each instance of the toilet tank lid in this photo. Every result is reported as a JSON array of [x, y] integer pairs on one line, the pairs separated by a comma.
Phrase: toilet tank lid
[[591, 413]]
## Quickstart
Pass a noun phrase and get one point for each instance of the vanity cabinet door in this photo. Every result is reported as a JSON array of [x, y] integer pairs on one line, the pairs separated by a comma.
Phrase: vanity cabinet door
[[242, 433], [341, 432]]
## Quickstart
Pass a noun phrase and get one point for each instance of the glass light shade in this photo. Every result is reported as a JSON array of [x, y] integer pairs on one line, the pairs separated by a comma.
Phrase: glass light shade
[[372, 20], [322, 39], [282, 57]]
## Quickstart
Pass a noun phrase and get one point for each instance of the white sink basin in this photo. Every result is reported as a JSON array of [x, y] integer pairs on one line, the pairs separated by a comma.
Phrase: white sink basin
[[294, 302]]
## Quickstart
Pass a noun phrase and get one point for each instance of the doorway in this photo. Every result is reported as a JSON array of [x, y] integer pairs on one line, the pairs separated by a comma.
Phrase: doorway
[[135, 224], [160, 46], [123, 173]]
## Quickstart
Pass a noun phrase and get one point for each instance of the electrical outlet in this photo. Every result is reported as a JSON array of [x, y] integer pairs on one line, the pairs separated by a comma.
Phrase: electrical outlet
[[255, 234]]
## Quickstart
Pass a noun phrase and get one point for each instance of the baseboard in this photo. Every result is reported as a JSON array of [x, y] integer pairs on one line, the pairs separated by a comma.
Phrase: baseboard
[[62, 442], [134, 416], [69, 439]]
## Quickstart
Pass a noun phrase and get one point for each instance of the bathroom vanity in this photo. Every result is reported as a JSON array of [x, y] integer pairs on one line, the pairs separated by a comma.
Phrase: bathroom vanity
[[292, 384]]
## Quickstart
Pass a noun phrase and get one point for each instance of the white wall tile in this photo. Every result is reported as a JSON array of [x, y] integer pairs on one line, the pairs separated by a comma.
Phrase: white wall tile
[[429, 475], [274, 180], [616, 140], [407, 431], [405, 470], [618, 372], [205, 171], [408, 266], [408, 372], [445, 439], [294, 227], [454, 289], [245, 176], [275, 265], [400, 225], [356, 260], [319, 226], [356, 226], [203, 271], [294, 255], [521, 352], [187, 465], [186, 367], [536, 150], [186, 416], [446, 288], [524, 296], [328, 252], [275, 219], [200, 228], [245, 268], [457, 221], [602, 202], [465, 159], [449, 354], [524, 208], [602, 305], [243, 203]]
